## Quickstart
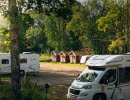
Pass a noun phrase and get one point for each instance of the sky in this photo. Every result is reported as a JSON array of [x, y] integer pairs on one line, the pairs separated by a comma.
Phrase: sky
[[81, 0]]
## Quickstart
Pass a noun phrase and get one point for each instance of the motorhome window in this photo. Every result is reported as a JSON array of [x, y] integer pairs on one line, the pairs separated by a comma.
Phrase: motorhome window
[[5, 61], [127, 74], [109, 77], [24, 60], [87, 77], [121, 75]]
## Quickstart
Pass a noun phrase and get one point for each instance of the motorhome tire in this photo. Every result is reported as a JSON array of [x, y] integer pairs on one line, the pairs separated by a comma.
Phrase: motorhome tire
[[99, 97], [22, 72]]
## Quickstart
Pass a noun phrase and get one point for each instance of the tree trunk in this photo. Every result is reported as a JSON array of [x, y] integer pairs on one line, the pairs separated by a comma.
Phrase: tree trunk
[[15, 66]]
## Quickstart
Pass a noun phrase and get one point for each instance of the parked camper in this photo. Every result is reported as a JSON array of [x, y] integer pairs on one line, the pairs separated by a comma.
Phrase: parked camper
[[28, 63], [84, 59], [107, 77]]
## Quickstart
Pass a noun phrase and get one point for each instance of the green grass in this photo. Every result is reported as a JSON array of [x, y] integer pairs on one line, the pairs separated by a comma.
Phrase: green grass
[[58, 92], [32, 91], [58, 63], [29, 91]]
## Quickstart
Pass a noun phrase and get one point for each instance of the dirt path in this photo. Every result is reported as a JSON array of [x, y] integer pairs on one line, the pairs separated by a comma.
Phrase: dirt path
[[57, 73]]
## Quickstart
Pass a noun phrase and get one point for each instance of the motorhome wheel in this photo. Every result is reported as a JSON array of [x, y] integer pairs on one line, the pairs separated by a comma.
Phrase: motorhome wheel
[[99, 97]]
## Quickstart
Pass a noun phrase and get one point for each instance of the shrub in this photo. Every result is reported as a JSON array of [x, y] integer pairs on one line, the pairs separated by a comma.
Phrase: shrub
[[29, 91], [45, 58]]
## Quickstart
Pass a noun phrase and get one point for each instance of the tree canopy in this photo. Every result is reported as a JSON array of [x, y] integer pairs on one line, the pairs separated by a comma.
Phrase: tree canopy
[[101, 26]]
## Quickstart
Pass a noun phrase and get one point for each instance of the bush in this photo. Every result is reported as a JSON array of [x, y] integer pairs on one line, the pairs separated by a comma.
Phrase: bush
[[5, 91], [29, 91], [45, 58]]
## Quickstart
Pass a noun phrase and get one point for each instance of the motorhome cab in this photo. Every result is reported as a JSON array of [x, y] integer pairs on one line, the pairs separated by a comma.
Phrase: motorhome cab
[[28, 63], [107, 77]]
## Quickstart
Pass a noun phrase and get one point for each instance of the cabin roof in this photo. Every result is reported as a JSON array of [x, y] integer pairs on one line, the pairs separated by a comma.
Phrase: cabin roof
[[64, 52], [55, 52]]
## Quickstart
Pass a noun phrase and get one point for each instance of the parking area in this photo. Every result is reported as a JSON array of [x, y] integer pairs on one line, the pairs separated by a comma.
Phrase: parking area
[[57, 73]]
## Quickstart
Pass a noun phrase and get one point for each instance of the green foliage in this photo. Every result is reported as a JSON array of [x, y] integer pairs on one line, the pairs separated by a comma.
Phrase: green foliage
[[118, 46], [113, 23], [112, 20], [29, 91], [32, 91], [69, 25], [4, 40], [45, 58], [35, 35], [5, 91], [3, 22]]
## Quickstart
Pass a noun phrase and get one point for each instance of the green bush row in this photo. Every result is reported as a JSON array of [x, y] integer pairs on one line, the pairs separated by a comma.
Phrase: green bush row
[[29, 91], [45, 58]]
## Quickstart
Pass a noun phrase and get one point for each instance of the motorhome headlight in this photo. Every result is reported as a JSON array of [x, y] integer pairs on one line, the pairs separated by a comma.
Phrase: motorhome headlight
[[87, 86]]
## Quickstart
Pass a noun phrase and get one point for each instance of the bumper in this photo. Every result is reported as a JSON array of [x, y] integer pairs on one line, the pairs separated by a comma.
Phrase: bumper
[[76, 97]]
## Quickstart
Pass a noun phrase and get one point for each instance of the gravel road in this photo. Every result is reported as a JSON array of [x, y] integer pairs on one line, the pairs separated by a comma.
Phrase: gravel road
[[57, 73]]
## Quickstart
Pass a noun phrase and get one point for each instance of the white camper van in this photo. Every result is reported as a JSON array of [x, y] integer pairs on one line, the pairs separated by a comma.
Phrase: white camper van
[[28, 63], [107, 77]]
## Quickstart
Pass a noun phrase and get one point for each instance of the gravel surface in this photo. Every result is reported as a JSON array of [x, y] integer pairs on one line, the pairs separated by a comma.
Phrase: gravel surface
[[57, 73]]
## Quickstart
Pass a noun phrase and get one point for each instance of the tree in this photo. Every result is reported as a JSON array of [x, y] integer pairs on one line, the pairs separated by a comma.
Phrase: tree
[[36, 32], [114, 24], [55, 25], [15, 66]]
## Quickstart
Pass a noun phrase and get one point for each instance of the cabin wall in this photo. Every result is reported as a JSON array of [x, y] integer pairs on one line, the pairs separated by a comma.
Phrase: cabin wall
[[53, 58], [77, 59], [67, 59], [58, 58]]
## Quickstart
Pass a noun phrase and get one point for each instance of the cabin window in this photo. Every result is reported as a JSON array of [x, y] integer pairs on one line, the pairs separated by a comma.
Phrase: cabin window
[[5, 61], [127, 74], [24, 60]]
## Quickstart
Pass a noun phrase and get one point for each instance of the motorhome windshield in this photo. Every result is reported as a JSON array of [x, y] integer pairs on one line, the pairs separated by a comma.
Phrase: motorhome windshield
[[90, 74], [87, 77]]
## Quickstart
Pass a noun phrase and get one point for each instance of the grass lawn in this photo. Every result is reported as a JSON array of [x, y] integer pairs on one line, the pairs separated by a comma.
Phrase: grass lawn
[[58, 92]]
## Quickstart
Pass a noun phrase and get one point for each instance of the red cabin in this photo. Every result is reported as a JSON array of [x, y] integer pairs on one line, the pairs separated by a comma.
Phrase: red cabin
[[64, 57], [75, 56], [55, 56]]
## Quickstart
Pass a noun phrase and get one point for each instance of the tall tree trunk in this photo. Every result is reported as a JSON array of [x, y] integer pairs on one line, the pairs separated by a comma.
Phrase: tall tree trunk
[[128, 23], [15, 67]]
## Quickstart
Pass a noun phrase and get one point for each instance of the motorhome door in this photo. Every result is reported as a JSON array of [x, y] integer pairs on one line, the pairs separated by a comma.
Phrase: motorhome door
[[124, 84], [108, 83]]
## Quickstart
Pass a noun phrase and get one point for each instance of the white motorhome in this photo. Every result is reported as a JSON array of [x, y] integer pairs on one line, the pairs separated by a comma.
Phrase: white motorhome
[[28, 63], [107, 77]]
